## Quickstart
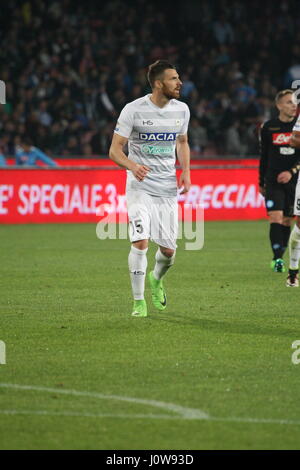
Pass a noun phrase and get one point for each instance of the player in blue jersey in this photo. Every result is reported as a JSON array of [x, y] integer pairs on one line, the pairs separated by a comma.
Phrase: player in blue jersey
[[28, 155]]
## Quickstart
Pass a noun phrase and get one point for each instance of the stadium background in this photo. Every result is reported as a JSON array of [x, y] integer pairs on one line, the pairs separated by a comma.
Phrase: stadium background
[[69, 69], [216, 370]]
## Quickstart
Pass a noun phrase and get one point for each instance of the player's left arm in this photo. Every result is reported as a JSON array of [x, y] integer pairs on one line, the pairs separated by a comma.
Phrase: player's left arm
[[183, 154], [44, 158]]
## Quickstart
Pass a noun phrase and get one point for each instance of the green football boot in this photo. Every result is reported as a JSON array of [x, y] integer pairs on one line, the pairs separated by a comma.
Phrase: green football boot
[[159, 297], [139, 308], [277, 265]]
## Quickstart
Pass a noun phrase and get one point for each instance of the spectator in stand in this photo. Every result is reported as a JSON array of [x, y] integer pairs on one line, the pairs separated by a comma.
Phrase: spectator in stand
[[223, 31], [233, 143], [188, 86], [64, 63], [197, 137], [2, 160], [72, 147], [28, 155]]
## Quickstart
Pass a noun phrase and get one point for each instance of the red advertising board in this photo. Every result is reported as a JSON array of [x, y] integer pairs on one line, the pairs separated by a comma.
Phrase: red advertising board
[[226, 194], [73, 195], [107, 162]]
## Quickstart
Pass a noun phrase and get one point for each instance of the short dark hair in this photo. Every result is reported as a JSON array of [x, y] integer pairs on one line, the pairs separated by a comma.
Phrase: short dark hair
[[156, 70], [26, 140], [282, 93]]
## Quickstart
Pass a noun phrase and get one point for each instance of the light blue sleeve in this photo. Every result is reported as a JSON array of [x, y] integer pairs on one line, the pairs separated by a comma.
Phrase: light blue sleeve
[[39, 155], [2, 160], [18, 155]]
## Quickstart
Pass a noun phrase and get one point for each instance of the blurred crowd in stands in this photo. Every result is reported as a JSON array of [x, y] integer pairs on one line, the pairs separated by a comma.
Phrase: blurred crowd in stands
[[70, 67]]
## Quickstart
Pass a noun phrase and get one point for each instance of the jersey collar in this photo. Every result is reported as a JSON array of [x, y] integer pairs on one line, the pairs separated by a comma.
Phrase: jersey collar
[[157, 108]]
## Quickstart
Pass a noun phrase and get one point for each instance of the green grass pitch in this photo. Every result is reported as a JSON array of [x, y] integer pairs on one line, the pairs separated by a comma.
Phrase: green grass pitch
[[213, 371]]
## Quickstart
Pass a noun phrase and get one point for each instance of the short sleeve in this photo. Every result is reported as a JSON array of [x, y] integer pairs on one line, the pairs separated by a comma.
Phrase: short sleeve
[[124, 124], [185, 126]]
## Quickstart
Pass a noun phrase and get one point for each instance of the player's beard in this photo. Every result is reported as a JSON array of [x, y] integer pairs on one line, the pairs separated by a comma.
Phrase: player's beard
[[170, 95]]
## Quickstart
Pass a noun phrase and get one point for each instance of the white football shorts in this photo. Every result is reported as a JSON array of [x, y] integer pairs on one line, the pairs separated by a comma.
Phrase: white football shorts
[[297, 199], [152, 217]]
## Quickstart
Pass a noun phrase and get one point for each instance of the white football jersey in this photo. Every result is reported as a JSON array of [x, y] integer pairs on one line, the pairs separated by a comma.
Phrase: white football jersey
[[151, 132], [297, 125]]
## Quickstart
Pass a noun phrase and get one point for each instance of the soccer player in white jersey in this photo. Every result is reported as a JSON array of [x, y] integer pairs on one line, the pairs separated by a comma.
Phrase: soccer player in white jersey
[[155, 127], [294, 242]]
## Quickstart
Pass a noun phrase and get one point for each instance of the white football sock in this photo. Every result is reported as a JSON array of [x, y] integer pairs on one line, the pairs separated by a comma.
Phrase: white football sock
[[294, 248], [163, 263], [137, 262]]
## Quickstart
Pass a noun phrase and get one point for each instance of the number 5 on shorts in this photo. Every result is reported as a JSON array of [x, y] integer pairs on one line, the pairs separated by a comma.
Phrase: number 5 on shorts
[[137, 226]]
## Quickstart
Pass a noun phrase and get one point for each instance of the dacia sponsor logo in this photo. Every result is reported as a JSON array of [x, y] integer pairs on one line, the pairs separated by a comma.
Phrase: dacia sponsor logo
[[157, 150], [157, 136]]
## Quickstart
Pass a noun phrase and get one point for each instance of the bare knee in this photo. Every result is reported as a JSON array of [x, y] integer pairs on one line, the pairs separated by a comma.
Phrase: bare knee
[[275, 217], [287, 221], [168, 252], [140, 244]]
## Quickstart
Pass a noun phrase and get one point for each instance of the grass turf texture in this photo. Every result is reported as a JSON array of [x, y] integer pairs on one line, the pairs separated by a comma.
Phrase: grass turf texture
[[222, 346]]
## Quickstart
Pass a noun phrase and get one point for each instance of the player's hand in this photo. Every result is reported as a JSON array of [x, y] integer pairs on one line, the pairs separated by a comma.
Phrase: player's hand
[[262, 190], [284, 177], [184, 181], [140, 171]]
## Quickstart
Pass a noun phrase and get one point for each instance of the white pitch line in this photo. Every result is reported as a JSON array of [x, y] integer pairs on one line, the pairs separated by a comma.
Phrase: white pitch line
[[74, 414], [87, 415], [233, 419], [182, 412]]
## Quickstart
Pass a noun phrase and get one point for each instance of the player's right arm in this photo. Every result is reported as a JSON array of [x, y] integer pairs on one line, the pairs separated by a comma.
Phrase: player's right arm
[[117, 154], [120, 138]]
